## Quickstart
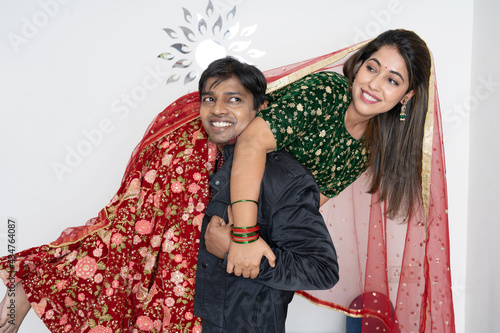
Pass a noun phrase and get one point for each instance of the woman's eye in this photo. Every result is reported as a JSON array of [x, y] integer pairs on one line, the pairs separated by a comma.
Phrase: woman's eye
[[370, 68], [394, 82]]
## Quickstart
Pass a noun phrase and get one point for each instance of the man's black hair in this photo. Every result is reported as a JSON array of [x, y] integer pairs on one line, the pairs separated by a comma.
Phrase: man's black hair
[[250, 77]]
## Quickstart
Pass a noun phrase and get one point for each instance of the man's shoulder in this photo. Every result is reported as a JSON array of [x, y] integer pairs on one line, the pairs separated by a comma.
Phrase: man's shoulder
[[284, 177], [282, 163]]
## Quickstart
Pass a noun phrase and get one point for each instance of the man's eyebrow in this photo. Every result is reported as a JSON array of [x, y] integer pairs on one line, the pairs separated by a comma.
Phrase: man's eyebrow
[[228, 93], [393, 72], [232, 93]]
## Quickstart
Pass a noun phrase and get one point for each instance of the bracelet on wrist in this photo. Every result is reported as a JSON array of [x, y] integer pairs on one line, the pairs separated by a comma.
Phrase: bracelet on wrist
[[244, 229], [244, 235], [250, 234], [244, 200], [244, 240]]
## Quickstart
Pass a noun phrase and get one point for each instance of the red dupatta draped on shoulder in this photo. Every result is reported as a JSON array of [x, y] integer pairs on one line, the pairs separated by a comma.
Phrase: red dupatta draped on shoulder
[[176, 115]]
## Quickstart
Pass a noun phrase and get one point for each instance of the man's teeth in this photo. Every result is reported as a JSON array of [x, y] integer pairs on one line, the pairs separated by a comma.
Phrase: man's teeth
[[370, 98], [220, 124]]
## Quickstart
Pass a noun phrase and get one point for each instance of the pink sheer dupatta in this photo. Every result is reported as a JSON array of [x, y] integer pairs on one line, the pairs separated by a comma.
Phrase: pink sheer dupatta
[[394, 274]]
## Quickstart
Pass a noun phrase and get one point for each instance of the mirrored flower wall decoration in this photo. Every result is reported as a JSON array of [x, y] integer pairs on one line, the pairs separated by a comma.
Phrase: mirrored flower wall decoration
[[203, 39]]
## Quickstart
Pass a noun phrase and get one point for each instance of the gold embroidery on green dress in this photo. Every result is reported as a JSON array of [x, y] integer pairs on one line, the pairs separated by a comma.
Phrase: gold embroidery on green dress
[[307, 119]]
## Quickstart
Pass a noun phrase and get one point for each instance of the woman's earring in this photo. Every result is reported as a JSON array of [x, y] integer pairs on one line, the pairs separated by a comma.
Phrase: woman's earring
[[402, 115]]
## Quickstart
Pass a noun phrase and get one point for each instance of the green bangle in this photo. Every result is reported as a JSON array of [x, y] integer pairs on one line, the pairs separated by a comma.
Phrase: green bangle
[[244, 201], [245, 242], [256, 227], [245, 235]]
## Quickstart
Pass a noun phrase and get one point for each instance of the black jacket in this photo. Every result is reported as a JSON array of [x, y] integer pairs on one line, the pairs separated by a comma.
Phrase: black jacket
[[290, 222]]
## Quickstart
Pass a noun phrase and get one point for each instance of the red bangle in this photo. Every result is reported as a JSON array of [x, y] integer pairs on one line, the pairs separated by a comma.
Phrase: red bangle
[[244, 229], [237, 237], [244, 240]]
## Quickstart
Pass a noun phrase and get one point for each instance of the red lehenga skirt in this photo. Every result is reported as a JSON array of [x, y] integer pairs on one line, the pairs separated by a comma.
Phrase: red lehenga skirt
[[132, 268]]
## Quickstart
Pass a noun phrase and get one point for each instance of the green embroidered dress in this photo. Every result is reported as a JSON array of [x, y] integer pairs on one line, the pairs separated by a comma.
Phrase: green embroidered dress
[[307, 119]]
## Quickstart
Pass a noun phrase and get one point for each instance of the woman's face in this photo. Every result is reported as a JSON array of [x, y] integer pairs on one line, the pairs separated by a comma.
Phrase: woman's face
[[381, 82]]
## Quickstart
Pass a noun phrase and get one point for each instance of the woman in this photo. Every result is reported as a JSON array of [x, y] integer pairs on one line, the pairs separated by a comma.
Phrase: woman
[[323, 115], [372, 119], [139, 253]]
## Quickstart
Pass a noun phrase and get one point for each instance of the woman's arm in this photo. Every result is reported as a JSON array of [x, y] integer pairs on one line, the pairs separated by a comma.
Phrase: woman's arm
[[246, 176], [323, 199]]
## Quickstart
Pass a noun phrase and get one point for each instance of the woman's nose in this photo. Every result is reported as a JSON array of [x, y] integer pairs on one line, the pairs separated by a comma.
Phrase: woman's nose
[[375, 82]]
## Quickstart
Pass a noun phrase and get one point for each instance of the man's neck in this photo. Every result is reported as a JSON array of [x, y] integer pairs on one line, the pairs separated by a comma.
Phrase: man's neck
[[220, 147], [232, 141]]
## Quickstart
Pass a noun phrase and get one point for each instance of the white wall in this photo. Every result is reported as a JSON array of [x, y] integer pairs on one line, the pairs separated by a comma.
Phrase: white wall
[[483, 291], [70, 66]]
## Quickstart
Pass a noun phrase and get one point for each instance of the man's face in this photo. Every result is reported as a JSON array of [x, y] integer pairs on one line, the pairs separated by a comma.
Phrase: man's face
[[226, 109]]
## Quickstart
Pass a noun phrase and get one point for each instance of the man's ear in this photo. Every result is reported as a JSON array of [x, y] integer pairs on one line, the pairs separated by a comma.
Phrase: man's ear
[[262, 106]]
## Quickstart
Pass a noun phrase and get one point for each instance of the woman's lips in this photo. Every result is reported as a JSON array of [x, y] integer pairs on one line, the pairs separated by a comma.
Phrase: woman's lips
[[368, 98]]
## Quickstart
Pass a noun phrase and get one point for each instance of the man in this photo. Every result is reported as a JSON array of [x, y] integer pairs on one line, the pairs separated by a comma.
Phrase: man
[[231, 94], [133, 267]]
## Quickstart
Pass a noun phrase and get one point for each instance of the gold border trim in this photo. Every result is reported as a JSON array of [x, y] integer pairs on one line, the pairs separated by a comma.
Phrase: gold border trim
[[84, 233], [79, 239], [355, 313], [290, 78], [427, 145], [158, 136]]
